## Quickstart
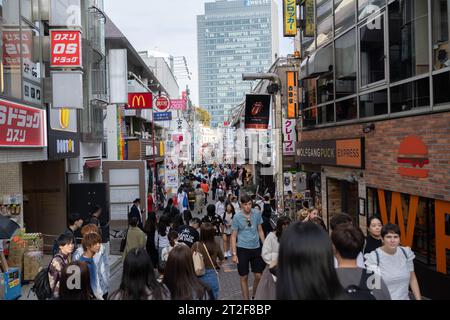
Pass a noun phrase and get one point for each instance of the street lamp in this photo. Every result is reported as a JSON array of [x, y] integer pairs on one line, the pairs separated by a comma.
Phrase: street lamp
[[278, 125]]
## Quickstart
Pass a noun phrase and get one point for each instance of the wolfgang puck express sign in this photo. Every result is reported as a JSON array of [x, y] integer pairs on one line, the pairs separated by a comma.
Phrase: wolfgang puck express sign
[[342, 153], [257, 111]]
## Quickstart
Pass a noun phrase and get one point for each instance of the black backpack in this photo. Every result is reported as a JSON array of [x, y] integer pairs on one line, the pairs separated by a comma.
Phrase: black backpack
[[360, 291], [41, 284]]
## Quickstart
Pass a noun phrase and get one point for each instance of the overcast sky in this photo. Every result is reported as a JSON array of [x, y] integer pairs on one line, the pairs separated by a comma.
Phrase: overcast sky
[[169, 26]]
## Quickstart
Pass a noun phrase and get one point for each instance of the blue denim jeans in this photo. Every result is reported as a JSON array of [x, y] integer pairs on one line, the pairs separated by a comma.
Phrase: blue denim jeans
[[210, 277]]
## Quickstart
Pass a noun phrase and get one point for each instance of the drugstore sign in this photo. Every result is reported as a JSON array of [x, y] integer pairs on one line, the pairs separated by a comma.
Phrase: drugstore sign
[[66, 48], [22, 126]]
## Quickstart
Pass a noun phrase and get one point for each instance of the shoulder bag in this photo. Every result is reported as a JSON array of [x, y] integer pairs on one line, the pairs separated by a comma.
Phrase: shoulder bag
[[199, 263]]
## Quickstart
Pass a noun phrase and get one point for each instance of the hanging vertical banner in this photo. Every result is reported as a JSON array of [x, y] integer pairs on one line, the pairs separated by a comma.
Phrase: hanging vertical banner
[[289, 18], [308, 9], [289, 137], [171, 166], [291, 94], [257, 111]]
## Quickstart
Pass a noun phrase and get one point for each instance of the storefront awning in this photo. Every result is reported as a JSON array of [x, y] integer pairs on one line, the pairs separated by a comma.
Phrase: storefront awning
[[93, 163]]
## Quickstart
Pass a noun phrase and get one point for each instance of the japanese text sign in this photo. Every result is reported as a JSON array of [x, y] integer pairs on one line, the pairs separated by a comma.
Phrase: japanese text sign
[[290, 18], [289, 137], [21, 126], [12, 50], [291, 94], [178, 104], [66, 48], [309, 18]]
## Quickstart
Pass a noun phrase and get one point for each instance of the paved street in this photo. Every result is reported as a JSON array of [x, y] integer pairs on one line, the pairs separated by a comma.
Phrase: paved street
[[228, 274]]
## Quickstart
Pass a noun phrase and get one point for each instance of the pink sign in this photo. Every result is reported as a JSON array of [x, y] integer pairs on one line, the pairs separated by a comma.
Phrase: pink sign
[[178, 104]]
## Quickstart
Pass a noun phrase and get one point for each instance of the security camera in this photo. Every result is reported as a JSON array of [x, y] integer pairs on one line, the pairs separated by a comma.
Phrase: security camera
[[368, 127]]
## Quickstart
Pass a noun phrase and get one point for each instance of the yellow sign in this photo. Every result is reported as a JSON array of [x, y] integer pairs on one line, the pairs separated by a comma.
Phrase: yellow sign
[[290, 18], [291, 94], [64, 118], [309, 18]]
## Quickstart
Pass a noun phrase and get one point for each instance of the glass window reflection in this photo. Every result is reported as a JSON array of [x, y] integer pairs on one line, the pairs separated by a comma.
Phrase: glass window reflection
[[346, 66]]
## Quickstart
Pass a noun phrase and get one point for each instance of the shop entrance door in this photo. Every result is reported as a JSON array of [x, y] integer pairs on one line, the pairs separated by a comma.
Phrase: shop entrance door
[[342, 197]]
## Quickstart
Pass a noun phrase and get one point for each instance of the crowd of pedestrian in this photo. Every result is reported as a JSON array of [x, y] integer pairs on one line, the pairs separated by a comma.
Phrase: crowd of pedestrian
[[178, 255]]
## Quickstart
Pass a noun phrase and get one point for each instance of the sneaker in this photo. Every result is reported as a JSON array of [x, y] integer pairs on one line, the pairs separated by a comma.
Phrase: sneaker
[[229, 253]]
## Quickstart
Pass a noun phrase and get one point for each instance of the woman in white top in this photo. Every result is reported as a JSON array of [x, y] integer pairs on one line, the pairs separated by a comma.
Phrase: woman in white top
[[161, 236], [395, 265], [227, 219], [267, 286], [271, 244]]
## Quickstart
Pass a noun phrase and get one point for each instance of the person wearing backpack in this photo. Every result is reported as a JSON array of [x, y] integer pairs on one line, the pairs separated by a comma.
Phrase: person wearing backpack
[[360, 284], [59, 261], [75, 222], [395, 264]]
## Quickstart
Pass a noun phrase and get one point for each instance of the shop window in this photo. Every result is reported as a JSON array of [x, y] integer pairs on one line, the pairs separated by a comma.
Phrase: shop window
[[408, 39], [368, 7], [344, 15], [410, 96], [441, 30], [346, 65], [324, 21], [441, 85], [326, 114], [325, 90], [372, 51], [346, 110], [310, 117], [10, 50], [373, 104]]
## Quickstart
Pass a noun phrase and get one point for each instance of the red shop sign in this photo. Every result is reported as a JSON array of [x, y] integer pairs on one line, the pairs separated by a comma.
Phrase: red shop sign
[[21, 126], [140, 100], [66, 48]]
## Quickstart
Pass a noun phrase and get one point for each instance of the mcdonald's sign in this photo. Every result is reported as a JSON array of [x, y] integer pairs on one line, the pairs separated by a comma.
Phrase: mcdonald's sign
[[64, 118], [140, 100]]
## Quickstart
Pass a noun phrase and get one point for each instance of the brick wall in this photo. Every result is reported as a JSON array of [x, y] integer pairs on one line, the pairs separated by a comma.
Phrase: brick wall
[[381, 152]]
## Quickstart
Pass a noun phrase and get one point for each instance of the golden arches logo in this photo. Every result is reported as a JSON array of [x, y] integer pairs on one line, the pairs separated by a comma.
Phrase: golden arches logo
[[140, 101], [64, 118]]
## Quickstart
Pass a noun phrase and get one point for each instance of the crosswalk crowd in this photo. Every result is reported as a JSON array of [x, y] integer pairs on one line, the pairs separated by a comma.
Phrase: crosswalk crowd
[[178, 254]]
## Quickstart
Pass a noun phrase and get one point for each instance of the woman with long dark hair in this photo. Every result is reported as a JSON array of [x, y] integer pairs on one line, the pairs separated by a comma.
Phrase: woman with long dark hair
[[180, 278], [150, 230], [139, 280], [162, 231], [81, 292], [306, 266], [211, 251]]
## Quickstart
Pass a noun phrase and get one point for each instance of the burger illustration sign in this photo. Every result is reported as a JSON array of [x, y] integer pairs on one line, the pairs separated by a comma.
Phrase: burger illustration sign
[[413, 158], [257, 111]]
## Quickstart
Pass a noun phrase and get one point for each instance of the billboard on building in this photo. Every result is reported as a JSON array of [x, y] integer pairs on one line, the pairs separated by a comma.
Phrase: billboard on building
[[65, 48], [289, 18], [291, 94], [308, 11], [257, 111], [22, 126]]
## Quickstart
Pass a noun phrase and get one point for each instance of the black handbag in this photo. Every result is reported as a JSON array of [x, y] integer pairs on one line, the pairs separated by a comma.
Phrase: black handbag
[[123, 242]]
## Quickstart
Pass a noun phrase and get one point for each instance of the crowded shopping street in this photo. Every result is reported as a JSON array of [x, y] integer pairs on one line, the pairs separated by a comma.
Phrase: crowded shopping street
[[242, 154]]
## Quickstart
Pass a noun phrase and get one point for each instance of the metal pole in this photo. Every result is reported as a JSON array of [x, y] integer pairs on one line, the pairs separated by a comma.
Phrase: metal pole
[[279, 126]]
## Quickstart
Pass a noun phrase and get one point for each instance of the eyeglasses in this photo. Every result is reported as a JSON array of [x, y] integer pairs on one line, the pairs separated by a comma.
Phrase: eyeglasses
[[249, 223]]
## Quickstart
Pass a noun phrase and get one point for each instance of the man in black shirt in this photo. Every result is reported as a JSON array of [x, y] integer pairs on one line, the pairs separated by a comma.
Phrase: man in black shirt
[[135, 211], [75, 222], [188, 234]]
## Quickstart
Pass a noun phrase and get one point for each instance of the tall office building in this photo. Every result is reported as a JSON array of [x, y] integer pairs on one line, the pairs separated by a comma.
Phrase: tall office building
[[234, 36]]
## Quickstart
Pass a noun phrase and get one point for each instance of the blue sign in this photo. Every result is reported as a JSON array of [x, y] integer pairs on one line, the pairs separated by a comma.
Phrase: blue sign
[[162, 116]]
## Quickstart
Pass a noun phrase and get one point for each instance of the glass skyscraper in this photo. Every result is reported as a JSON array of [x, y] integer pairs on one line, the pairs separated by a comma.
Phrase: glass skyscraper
[[234, 37]]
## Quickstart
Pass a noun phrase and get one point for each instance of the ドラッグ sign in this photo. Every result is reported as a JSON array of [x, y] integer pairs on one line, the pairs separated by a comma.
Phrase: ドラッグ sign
[[21, 126], [65, 48]]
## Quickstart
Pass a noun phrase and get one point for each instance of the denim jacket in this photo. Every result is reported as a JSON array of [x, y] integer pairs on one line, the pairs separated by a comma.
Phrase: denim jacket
[[102, 263]]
